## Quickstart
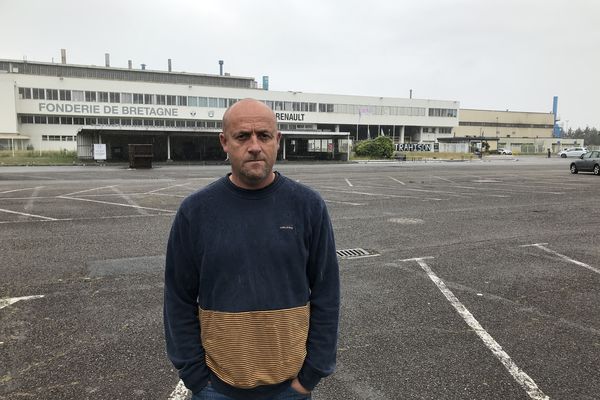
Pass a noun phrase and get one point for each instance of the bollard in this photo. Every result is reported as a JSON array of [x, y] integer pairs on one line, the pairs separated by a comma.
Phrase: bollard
[[549, 153]]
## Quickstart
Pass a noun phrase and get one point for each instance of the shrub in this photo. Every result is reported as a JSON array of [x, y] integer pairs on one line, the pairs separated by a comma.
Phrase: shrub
[[380, 147]]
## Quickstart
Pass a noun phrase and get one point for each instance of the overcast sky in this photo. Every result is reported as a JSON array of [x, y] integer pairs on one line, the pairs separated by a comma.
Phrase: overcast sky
[[487, 54]]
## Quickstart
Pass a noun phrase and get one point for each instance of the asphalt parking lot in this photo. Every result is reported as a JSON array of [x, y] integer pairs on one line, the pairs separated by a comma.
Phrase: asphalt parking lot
[[483, 283]]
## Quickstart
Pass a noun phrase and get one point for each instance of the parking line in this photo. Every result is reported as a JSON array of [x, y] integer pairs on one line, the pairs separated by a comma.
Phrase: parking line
[[180, 392], [12, 300], [444, 179], [344, 202], [88, 190], [396, 180], [28, 215], [581, 264], [168, 187], [517, 373], [115, 204], [129, 200], [348, 182], [328, 189], [20, 190]]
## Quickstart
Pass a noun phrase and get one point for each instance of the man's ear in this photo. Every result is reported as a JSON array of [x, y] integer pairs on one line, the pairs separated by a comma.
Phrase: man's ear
[[223, 140]]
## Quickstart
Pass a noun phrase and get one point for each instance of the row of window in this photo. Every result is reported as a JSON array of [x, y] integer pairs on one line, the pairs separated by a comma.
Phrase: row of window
[[443, 112], [218, 102], [506, 125], [441, 129], [66, 120], [58, 138]]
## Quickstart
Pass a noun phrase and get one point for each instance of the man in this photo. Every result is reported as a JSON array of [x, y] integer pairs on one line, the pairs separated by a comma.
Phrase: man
[[251, 282]]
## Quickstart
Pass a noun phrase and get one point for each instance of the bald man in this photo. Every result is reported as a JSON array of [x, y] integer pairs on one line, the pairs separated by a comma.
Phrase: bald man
[[251, 301]]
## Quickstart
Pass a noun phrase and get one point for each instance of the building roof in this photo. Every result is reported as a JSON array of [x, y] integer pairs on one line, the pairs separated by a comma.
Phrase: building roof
[[123, 74]]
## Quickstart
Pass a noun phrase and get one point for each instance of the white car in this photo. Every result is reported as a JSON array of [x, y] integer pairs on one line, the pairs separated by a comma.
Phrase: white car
[[504, 151], [573, 152]]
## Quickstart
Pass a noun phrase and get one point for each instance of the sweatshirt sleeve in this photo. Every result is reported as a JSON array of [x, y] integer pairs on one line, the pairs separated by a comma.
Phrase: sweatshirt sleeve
[[182, 327], [323, 274]]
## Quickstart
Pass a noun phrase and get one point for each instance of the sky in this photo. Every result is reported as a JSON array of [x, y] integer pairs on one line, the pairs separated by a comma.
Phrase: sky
[[486, 54]]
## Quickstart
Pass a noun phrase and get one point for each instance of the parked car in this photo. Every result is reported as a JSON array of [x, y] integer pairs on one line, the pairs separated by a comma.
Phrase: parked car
[[573, 152], [589, 162], [504, 151]]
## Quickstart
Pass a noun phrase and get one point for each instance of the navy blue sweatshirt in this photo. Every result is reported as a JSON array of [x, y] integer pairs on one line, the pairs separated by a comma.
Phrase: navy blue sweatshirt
[[251, 289]]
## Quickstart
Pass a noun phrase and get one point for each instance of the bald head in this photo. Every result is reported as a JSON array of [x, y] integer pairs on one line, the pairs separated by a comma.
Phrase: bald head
[[247, 108]]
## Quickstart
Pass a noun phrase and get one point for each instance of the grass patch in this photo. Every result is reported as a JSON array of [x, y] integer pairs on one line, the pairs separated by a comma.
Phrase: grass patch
[[33, 157]]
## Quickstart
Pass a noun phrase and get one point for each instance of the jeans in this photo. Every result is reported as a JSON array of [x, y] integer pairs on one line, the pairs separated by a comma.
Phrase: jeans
[[208, 393]]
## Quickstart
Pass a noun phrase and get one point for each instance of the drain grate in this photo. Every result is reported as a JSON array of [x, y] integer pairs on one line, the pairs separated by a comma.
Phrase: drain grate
[[356, 253]]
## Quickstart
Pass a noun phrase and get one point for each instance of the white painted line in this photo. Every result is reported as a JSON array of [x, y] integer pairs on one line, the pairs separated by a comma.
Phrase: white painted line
[[12, 300], [28, 215], [517, 373], [180, 392], [336, 190], [581, 264], [348, 182], [115, 204], [130, 201], [444, 179], [29, 205], [168, 187], [168, 195], [344, 202], [396, 180], [88, 190], [20, 190]]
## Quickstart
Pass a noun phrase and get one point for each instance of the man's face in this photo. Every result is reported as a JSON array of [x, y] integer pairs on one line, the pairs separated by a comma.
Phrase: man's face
[[251, 140]]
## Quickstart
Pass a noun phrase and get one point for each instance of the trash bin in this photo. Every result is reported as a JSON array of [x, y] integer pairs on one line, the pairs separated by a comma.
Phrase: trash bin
[[140, 156]]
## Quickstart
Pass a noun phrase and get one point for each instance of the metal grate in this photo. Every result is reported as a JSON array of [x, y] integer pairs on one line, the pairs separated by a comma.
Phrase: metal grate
[[356, 253]]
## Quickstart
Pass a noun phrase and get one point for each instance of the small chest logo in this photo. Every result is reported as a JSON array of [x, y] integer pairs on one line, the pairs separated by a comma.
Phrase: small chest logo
[[287, 227]]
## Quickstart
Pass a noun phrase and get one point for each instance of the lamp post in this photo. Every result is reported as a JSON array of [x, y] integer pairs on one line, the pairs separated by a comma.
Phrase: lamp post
[[497, 127]]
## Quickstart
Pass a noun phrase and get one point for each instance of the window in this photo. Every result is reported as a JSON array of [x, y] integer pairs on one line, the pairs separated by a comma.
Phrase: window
[[44, 137], [445, 130], [159, 122], [136, 122], [27, 119], [52, 94], [202, 102], [126, 98], [428, 130], [38, 93], [182, 100], [222, 103], [114, 121], [65, 95], [67, 138], [180, 124], [78, 121], [54, 138], [148, 122], [213, 102], [126, 121], [40, 119], [171, 100], [192, 101], [148, 99], [190, 124], [138, 98], [102, 121], [443, 112], [77, 95], [66, 120], [24, 93], [91, 121], [103, 97], [169, 122], [90, 96], [160, 99], [115, 97]]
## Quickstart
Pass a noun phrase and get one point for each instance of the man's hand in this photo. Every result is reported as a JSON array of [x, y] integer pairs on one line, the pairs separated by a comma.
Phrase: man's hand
[[297, 386]]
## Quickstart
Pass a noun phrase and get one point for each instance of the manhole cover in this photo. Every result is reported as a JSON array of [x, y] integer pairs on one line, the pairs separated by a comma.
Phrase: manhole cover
[[356, 253], [406, 221]]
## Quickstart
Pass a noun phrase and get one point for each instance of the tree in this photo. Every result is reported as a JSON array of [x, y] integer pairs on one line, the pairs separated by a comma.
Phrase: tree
[[380, 147]]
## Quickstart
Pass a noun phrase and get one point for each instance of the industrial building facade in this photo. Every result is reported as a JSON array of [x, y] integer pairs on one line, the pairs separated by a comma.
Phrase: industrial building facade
[[56, 106]]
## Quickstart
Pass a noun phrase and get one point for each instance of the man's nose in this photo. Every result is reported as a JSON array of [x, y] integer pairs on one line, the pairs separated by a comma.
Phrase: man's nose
[[254, 145]]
